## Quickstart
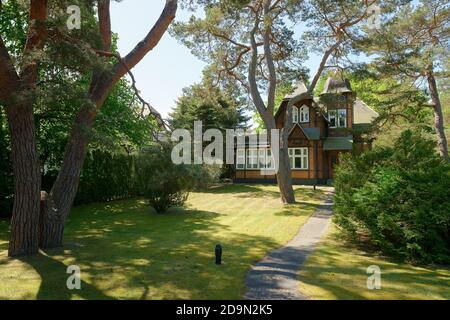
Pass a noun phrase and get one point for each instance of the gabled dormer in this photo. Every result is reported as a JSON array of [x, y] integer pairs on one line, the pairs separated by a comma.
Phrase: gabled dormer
[[337, 97], [304, 113]]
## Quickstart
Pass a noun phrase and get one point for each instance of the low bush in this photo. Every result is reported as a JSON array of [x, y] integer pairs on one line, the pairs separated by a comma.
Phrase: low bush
[[162, 183], [399, 197]]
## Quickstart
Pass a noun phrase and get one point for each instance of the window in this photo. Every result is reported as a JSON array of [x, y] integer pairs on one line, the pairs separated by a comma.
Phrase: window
[[269, 163], [342, 101], [240, 159], [252, 158], [298, 158], [337, 118], [304, 114], [262, 158], [256, 159], [265, 159], [294, 114], [342, 115], [332, 118]]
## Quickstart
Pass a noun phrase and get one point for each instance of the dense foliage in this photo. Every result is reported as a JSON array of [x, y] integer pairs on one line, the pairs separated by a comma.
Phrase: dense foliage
[[150, 173], [165, 184], [215, 108], [399, 197]]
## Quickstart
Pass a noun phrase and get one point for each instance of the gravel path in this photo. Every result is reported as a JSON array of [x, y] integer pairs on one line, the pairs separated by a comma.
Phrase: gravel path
[[276, 275]]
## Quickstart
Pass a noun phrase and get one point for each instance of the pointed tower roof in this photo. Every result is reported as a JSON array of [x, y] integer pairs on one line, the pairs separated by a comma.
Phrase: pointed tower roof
[[299, 88], [336, 85]]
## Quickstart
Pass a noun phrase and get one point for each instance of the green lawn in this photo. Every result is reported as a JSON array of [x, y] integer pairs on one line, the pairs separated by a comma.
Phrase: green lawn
[[337, 270], [127, 252]]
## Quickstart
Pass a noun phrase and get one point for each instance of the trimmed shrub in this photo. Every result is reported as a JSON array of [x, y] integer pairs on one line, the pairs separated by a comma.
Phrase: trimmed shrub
[[162, 183], [399, 197]]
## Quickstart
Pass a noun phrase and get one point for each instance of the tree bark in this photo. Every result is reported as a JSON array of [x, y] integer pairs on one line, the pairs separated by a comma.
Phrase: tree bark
[[27, 180], [62, 195], [64, 190], [438, 117], [284, 178]]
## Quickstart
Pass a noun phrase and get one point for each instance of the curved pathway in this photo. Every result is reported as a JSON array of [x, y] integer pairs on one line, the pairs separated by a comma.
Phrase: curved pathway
[[276, 275]]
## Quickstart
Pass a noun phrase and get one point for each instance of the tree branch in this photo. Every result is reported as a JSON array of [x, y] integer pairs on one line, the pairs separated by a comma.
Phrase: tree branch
[[104, 20], [269, 58], [35, 38], [150, 41], [254, 92], [9, 79]]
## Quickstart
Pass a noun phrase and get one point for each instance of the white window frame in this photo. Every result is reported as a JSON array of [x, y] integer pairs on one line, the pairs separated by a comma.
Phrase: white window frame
[[240, 159], [261, 156], [332, 114], [295, 114], [339, 117], [268, 161], [252, 159], [304, 114], [304, 155]]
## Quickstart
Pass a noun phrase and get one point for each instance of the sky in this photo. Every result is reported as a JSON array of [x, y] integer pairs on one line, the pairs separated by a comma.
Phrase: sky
[[170, 66]]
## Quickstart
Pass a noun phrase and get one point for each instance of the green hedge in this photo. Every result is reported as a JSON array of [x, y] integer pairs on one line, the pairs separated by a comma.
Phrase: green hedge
[[399, 197], [106, 177]]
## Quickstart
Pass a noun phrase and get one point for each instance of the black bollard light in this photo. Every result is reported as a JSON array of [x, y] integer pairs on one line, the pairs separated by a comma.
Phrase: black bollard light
[[218, 254]]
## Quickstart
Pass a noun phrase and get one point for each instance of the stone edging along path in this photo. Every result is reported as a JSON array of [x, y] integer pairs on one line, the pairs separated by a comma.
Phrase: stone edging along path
[[276, 275]]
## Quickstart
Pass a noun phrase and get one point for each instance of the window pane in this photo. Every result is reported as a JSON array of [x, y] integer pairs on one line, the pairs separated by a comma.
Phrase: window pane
[[298, 151], [262, 158], [298, 162], [332, 118], [304, 114], [294, 115], [342, 118]]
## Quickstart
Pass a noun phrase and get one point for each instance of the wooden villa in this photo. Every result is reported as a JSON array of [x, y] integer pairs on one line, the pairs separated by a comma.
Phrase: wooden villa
[[323, 128]]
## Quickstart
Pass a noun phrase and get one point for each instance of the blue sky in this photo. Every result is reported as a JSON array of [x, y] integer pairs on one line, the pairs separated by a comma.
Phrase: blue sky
[[170, 67]]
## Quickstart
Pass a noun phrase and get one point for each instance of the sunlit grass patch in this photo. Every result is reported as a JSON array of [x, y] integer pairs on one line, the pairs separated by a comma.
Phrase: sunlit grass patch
[[126, 251], [338, 270]]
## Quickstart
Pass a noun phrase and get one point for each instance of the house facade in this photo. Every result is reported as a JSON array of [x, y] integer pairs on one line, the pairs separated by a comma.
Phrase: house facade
[[323, 128]]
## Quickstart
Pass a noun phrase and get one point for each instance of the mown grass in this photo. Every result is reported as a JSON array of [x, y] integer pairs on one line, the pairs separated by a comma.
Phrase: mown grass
[[126, 251], [338, 270]]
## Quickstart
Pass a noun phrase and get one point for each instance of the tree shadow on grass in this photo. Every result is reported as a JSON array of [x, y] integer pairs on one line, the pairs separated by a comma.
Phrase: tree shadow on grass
[[53, 274], [258, 191], [134, 254], [345, 277]]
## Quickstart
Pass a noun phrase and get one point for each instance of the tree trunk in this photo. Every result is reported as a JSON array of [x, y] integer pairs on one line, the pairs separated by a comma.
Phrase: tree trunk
[[27, 180], [63, 192], [438, 117], [284, 179]]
